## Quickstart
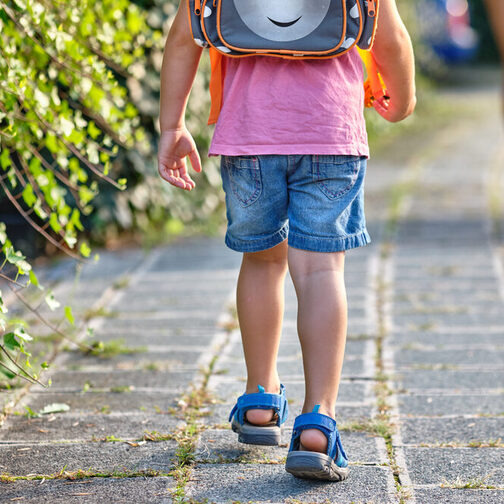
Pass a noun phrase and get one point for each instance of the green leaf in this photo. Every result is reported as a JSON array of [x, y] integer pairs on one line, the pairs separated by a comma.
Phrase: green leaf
[[21, 333], [54, 408], [3, 233], [44, 365], [18, 259], [5, 160], [7, 373], [51, 301], [53, 222], [69, 315], [93, 131], [30, 413], [29, 196], [10, 341], [84, 249], [34, 280]]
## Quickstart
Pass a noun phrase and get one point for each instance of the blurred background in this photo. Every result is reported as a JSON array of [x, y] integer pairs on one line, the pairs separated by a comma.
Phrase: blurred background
[[453, 43]]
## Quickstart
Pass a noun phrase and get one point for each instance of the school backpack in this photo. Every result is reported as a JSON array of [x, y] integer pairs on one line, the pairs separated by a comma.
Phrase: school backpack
[[303, 29]]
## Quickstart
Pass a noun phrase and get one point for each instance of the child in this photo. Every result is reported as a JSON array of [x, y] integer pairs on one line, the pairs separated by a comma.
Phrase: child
[[293, 143]]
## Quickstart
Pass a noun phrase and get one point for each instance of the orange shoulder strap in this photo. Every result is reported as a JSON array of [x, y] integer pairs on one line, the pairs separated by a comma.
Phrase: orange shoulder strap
[[216, 84]]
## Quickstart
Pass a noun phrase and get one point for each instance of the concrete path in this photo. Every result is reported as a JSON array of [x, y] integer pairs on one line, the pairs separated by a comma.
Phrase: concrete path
[[421, 405]]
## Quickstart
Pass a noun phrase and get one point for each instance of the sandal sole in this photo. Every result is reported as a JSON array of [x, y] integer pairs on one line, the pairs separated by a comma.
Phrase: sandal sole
[[256, 435], [313, 465]]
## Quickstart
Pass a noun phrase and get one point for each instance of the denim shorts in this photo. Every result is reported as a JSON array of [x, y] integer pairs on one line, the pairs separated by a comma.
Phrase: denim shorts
[[316, 201]]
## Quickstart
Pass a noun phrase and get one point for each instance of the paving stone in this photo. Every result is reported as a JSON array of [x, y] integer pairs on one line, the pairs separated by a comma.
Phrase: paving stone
[[458, 496], [452, 380], [449, 319], [47, 459], [261, 483], [431, 404], [86, 427], [433, 430], [453, 357], [352, 367], [229, 390], [203, 321], [136, 360], [92, 491], [92, 402], [440, 465], [75, 381], [440, 340], [344, 414], [168, 335], [217, 446]]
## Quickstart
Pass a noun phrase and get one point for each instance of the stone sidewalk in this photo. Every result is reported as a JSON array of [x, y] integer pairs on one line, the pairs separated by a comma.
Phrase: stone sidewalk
[[421, 404]]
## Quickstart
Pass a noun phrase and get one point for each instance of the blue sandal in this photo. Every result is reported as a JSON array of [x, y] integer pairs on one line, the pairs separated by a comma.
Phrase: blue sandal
[[269, 434], [332, 466]]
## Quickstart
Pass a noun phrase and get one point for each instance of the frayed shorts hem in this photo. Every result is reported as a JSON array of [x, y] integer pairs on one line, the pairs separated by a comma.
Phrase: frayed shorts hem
[[259, 244], [317, 244]]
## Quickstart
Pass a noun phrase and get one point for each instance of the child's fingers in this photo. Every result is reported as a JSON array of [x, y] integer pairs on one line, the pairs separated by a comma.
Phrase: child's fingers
[[177, 177], [194, 157]]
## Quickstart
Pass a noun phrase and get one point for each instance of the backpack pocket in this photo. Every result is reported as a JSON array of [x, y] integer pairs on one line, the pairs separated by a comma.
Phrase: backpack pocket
[[194, 9], [301, 28]]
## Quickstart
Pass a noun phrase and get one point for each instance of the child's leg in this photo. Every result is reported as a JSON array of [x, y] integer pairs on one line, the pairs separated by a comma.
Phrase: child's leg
[[260, 303], [322, 324]]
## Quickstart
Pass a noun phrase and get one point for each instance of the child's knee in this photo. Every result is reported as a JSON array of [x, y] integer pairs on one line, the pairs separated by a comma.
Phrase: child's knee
[[275, 257], [305, 262]]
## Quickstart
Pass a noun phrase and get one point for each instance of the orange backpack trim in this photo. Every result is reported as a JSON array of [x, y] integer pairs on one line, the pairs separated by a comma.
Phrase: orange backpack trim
[[216, 84]]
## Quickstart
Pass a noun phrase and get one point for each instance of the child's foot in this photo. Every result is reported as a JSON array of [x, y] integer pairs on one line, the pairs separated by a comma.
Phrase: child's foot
[[261, 416], [313, 440], [257, 417], [305, 458]]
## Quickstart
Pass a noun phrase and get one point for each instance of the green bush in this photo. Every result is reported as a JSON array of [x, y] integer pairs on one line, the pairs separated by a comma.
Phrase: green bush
[[65, 114]]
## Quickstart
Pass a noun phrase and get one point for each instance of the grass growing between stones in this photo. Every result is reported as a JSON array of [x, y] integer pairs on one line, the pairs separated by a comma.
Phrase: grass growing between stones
[[81, 474], [193, 406], [473, 483], [475, 443], [109, 349]]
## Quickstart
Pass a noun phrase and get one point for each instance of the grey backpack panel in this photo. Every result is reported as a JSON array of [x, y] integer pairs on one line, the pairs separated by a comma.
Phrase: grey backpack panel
[[303, 28]]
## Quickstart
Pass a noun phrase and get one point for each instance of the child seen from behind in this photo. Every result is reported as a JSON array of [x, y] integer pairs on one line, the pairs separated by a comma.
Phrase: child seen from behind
[[293, 147]]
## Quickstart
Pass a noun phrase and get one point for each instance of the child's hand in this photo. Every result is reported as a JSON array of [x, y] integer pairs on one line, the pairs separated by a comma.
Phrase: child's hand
[[385, 107], [174, 146]]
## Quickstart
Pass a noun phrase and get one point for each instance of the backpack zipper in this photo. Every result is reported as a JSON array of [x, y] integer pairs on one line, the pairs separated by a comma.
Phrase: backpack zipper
[[371, 8], [197, 7]]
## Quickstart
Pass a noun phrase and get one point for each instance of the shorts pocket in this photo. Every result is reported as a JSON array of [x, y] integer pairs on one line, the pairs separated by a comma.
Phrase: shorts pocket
[[335, 175], [244, 174]]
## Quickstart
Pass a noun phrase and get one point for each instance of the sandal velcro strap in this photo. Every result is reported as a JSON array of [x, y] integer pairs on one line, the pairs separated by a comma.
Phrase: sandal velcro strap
[[315, 421], [261, 400], [328, 427]]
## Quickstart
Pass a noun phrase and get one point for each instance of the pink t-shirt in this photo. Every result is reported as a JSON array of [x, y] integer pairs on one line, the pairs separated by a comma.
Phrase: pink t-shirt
[[279, 106]]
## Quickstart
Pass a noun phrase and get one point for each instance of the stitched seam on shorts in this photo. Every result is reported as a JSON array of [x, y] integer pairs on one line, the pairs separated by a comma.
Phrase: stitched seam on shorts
[[340, 237], [325, 188], [256, 180]]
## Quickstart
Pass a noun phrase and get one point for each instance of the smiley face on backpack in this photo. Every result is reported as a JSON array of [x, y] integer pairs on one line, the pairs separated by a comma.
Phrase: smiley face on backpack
[[282, 20]]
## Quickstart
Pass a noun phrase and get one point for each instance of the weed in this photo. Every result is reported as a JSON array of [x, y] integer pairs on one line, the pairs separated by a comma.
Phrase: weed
[[99, 312], [80, 474], [435, 367], [121, 283], [112, 348], [122, 389], [474, 483]]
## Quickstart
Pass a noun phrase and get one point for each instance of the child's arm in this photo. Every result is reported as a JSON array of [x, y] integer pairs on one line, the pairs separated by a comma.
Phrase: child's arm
[[180, 63], [393, 53]]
